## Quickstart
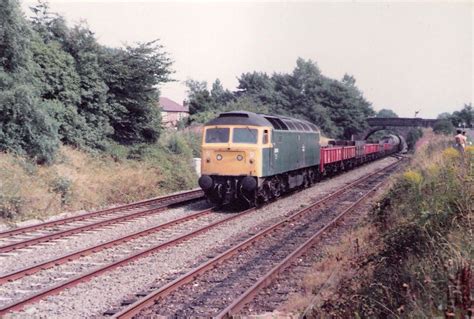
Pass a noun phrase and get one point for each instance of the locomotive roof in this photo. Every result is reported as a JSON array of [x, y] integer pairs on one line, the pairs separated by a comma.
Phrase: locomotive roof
[[282, 123]]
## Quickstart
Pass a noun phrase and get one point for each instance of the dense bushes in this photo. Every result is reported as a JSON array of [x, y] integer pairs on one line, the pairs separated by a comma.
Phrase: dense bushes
[[444, 127], [58, 84], [413, 136]]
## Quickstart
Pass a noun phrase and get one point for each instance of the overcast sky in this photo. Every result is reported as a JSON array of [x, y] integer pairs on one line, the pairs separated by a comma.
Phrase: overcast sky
[[404, 56]]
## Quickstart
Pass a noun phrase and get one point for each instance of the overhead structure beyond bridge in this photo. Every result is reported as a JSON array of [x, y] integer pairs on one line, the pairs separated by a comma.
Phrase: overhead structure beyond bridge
[[399, 126]]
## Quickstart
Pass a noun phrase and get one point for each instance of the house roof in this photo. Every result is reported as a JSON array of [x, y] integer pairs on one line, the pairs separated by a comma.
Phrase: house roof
[[171, 106]]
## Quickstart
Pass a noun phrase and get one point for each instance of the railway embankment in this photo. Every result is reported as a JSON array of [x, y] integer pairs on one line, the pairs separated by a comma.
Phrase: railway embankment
[[81, 180], [413, 255]]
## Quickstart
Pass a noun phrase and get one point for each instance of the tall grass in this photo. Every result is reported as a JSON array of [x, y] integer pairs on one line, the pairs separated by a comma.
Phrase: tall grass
[[80, 180], [426, 224]]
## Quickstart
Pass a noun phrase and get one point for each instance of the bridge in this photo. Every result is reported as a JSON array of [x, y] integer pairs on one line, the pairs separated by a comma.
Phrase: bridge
[[400, 122], [399, 126]]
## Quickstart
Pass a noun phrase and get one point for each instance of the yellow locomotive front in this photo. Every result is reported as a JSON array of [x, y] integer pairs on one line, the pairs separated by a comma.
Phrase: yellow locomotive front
[[231, 159], [230, 150]]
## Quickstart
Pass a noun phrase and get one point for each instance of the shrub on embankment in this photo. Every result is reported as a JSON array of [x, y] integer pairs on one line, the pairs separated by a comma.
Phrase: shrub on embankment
[[83, 180], [426, 224], [418, 259]]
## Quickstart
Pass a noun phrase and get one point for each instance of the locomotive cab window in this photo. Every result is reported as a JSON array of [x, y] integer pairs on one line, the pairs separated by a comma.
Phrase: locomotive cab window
[[217, 135], [245, 135], [266, 137]]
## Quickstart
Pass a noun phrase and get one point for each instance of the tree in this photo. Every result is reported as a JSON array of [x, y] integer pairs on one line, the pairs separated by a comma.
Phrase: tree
[[444, 116], [221, 96], [444, 126], [199, 97], [81, 44], [386, 113], [413, 136], [466, 115], [15, 53], [26, 126], [132, 76], [59, 83], [462, 118], [337, 107]]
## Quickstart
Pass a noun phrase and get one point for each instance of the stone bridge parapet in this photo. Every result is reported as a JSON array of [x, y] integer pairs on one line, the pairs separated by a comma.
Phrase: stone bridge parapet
[[399, 126]]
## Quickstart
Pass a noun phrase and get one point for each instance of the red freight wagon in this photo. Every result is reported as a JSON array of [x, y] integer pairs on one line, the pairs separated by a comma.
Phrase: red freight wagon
[[387, 147], [348, 152], [336, 154], [371, 148]]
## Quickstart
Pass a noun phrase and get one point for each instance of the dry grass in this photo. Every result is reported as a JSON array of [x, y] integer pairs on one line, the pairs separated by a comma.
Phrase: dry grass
[[322, 281], [412, 252], [80, 180]]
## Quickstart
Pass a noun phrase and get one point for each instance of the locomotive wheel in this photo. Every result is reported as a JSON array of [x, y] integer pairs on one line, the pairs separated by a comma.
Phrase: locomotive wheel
[[275, 187]]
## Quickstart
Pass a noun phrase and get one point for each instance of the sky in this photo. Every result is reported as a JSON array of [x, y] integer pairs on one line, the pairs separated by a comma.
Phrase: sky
[[405, 56]]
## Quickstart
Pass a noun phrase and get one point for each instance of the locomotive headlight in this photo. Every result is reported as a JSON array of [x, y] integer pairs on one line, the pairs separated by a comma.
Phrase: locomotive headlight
[[240, 157], [219, 157]]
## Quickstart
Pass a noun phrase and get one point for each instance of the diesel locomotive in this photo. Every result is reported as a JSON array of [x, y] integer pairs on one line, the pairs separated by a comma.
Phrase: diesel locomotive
[[253, 158]]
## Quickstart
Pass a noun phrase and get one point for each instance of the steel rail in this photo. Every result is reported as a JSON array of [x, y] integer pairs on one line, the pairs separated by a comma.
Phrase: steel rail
[[167, 289], [82, 278], [103, 212], [80, 229], [268, 278], [29, 270]]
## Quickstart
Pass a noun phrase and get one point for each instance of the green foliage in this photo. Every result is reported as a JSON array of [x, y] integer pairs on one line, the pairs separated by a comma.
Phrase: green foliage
[[62, 186], [413, 136], [443, 127], [176, 144], [118, 152], [193, 139], [26, 126], [425, 221], [59, 84], [444, 116], [386, 113], [200, 99], [337, 107], [82, 45], [463, 118], [14, 37], [131, 76], [173, 156]]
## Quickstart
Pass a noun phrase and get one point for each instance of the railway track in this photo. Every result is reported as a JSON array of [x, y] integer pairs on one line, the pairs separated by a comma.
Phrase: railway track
[[140, 244], [170, 241], [45, 232], [221, 286]]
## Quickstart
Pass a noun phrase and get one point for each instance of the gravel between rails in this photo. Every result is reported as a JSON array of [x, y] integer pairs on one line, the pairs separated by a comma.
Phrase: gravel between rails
[[5, 226], [289, 281], [269, 300], [44, 251], [51, 229], [94, 297], [212, 291], [31, 284]]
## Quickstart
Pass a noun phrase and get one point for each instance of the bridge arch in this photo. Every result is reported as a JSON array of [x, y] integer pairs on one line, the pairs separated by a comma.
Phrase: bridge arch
[[399, 125], [394, 131]]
